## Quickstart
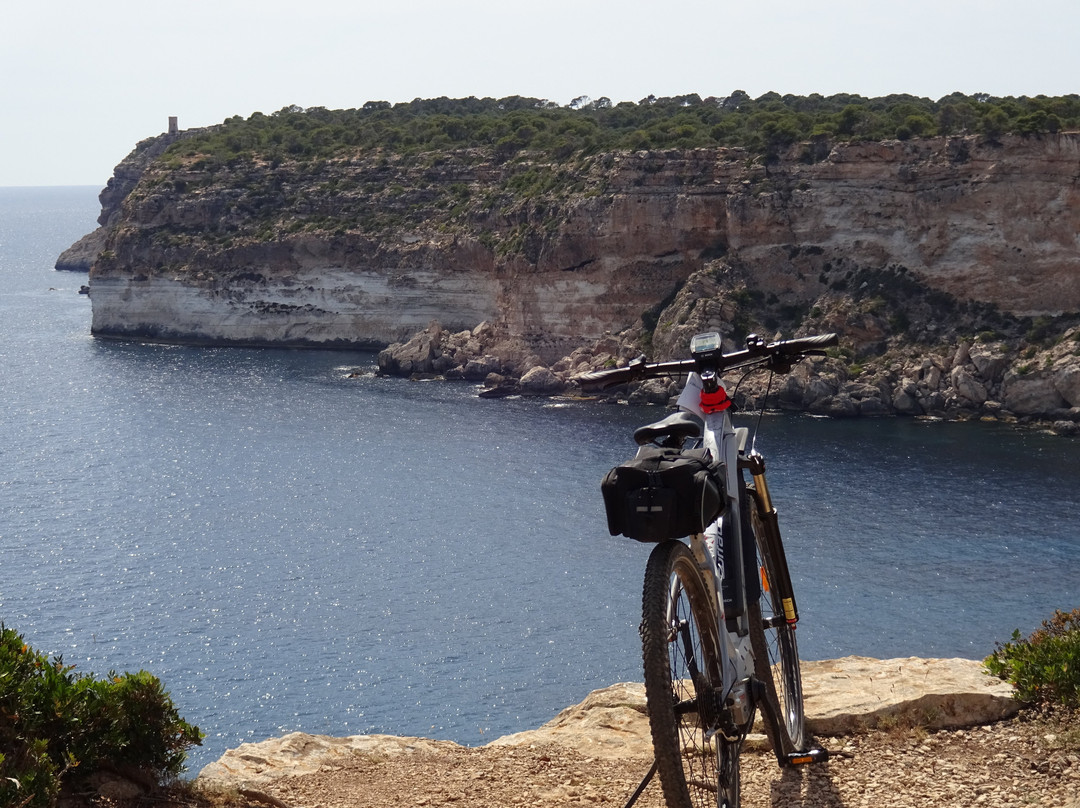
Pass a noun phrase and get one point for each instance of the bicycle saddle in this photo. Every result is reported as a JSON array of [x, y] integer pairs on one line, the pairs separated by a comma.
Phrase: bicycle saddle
[[678, 425]]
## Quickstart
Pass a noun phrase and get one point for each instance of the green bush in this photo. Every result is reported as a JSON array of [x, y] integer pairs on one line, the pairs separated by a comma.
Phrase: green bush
[[1045, 667], [508, 126], [57, 726]]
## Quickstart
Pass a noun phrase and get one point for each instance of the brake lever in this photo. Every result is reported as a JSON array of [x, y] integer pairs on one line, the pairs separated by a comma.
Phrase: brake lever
[[783, 363], [780, 364]]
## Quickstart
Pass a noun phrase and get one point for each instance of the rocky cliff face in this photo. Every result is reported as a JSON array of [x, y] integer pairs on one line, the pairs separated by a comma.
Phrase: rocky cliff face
[[905, 248], [271, 256], [995, 223], [83, 254]]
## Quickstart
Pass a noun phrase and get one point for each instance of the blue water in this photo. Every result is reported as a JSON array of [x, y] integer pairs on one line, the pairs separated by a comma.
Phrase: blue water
[[292, 543]]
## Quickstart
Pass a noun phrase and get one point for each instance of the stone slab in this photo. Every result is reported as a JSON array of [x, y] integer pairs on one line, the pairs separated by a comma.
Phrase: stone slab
[[842, 696]]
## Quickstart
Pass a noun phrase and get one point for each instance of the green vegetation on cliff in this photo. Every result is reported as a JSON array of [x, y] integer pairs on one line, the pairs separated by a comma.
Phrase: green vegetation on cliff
[[1045, 667], [508, 126], [57, 727], [506, 169]]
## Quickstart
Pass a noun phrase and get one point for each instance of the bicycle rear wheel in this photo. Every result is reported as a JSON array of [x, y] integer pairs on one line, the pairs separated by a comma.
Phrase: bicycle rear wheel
[[776, 652], [682, 682]]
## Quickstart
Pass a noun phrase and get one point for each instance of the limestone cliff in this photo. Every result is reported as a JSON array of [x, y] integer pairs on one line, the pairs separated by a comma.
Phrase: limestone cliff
[[83, 254], [365, 253], [909, 249]]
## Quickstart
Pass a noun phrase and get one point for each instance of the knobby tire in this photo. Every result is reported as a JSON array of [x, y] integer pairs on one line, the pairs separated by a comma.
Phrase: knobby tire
[[682, 682]]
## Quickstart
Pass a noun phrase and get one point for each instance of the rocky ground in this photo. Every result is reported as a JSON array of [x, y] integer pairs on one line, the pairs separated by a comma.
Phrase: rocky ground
[[900, 732], [1011, 763], [1026, 761]]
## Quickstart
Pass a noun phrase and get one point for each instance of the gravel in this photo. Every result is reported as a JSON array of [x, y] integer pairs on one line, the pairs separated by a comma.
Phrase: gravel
[[1028, 761]]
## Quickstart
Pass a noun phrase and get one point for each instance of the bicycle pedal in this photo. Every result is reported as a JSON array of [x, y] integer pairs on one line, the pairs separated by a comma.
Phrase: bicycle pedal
[[815, 755]]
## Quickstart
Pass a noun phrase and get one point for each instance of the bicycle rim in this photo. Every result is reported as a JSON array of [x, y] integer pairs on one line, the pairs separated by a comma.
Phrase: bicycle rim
[[679, 646], [776, 653]]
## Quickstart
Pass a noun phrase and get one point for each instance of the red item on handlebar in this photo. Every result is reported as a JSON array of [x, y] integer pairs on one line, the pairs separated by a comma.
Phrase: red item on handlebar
[[715, 402]]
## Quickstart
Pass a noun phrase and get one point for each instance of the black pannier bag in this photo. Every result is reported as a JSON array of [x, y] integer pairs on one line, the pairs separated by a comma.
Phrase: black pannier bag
[[663, 494]]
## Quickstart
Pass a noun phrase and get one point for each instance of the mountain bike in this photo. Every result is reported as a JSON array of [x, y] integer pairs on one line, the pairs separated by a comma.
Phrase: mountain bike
[[718, 608]]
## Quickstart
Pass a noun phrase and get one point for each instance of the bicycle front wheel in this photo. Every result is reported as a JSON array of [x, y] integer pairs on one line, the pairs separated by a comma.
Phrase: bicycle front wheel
[[776, 653], [682, 682]]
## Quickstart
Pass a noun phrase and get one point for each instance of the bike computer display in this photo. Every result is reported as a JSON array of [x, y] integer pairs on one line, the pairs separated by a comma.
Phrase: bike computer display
[[705, 346]]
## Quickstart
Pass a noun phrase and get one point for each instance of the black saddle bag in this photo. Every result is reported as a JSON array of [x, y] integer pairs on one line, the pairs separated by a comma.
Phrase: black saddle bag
[[663, 494]]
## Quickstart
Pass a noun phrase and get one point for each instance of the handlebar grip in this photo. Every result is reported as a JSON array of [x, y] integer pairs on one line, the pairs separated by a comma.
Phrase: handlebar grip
[[802, 345], [601, 379]]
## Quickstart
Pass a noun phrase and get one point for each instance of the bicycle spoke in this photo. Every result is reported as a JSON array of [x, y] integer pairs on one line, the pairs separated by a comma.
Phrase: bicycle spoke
[[679, 641]]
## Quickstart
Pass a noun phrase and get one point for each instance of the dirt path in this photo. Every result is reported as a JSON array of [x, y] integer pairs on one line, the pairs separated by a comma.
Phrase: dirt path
[[1022, 762]]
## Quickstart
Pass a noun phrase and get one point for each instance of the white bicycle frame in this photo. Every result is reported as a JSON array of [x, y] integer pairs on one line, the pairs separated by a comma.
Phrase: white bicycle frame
[[725, 442]]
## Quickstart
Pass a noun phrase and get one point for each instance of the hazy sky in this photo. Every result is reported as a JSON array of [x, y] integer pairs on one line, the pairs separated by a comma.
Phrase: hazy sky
[[83, 82]]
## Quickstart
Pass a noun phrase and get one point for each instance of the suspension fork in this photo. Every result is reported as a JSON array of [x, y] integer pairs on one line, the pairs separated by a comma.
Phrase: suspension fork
[[755, 464]]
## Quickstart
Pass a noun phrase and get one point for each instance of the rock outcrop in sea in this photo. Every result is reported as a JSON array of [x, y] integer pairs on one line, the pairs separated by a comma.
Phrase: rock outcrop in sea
[[949, 266]]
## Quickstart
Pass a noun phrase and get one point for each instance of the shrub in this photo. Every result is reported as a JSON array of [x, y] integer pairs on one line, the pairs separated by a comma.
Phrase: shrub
[[57, 726], [506, 126], [1045, 667]]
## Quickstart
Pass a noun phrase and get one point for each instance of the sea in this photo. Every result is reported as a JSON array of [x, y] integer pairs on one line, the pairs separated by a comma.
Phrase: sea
[[291, 542]]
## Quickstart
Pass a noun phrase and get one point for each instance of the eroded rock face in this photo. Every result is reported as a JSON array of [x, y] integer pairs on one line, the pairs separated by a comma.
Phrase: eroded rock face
[[193, 256], [858, 693], [321, 304], [252, 765], [1032, 394], [83, 254], [992, 222], [988, 222], [610, 722], [906, 249], [1067, 383]]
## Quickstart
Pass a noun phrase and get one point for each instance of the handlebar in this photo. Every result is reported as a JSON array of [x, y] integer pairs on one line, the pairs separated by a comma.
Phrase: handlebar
[[779, 356]]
